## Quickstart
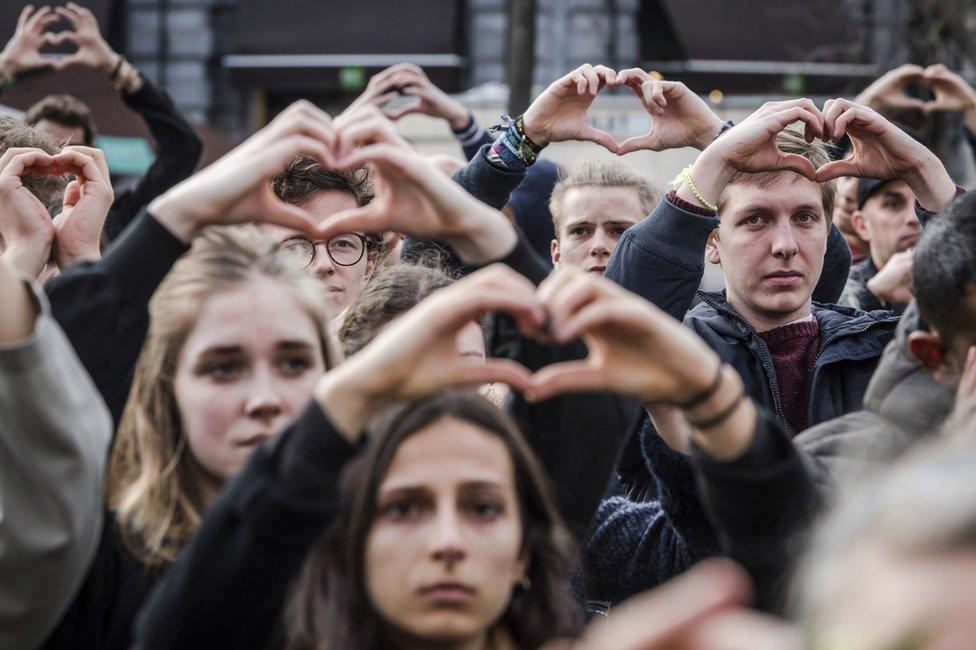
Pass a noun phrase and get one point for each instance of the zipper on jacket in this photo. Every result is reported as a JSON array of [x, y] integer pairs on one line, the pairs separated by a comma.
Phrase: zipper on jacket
[[765, 356]]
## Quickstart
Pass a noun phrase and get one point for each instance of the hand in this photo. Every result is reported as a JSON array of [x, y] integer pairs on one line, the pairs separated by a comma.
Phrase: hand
[[888, 91], [952, 94], [93, 51], [751, 147], [87, 200], [428, 99], [25, 223], [412, 196], [679, 117], [634, 348], [23, 50], [700, 610], [559, 113], [882, 150], [893, 283], [237, 187], [416, 355]]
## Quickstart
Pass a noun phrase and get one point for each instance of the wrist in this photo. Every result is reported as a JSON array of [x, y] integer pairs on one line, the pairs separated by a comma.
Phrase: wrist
[[709, 132], [533, 130], [346, 402], [709, 176], [486, 237], [181, 221], [459, 119], [930, 181], [729, 419]]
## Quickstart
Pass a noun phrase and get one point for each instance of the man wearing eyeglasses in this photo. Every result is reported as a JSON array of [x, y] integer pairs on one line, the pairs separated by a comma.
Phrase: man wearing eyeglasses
[[345, 263]]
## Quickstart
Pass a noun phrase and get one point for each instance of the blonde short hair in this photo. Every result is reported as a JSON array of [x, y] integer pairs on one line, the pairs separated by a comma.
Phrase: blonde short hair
[[601, 173], [154, 482]]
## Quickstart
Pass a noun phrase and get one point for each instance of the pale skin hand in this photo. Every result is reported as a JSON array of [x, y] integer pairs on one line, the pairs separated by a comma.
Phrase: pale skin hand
[[412, 196], [893, 283], [23, 51], [882, 150], [703, 609], [416, 355], [25, 223], [635, 349], [888, 91], [87, 200], [680, 118], [93, 51], [952, 94], [237, 188], [559, 113], [751, 147], [428, 99]]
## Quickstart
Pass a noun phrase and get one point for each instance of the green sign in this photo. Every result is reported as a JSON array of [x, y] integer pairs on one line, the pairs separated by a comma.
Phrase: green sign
[[126, 156], [794, 84], [352, 79]]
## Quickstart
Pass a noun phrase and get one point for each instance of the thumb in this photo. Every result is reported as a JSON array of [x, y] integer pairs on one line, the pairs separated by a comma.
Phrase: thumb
[[570, 376], [406, 109], [591, 134], [504, 371], [797, 163], [836, 169], [72, 194], [636, 143], [368, 218]]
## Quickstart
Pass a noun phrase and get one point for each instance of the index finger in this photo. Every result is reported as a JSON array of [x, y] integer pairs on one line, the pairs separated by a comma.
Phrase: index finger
[[82, 163], [94, 152], [20, 162]]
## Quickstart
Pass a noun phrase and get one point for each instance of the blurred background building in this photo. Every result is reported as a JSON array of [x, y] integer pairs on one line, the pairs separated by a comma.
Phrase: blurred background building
[[230, 65]]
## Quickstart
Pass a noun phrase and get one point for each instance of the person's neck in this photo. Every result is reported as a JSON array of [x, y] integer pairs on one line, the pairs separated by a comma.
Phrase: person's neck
[[876, 260], [763, 321], [479, 642]]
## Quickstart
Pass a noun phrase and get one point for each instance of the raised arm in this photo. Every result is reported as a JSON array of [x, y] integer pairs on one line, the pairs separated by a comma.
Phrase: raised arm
[[54, 437]]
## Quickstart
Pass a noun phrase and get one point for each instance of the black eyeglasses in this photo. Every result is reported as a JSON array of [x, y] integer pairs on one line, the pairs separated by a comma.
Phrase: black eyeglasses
[[343, 250]]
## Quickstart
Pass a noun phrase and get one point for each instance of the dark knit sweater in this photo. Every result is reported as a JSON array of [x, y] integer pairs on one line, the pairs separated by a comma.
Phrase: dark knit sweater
[[794, 349]]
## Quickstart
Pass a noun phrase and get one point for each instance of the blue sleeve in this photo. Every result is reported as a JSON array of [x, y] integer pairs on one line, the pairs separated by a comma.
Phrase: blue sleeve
[[662, 258]]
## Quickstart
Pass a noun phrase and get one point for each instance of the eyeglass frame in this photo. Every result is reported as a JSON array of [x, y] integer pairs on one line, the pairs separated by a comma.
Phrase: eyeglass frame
[[366, 240]]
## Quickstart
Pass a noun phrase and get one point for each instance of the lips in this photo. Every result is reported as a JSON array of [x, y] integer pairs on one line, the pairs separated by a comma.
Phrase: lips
[[254, 440], [908, 240], [783, 277], [596, 270], [448, 592]]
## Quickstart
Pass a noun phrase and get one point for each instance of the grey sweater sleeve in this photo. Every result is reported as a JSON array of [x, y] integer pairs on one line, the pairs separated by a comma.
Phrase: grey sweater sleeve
[[54, 437]]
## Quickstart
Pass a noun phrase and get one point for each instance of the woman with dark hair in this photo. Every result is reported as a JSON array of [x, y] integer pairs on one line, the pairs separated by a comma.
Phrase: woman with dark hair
[[396, 564]]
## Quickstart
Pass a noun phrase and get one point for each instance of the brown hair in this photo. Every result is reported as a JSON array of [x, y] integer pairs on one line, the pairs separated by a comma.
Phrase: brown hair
[[791, 140], [66, 110], [329, 608], [304, 177], [391, 291], [154, 481], [49, 190], [601, 173]]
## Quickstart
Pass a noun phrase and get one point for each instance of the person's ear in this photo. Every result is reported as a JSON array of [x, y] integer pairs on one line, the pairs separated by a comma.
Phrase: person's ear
[[928, 349], [711, 248], [371, 259], [554, 252], [860, 225]]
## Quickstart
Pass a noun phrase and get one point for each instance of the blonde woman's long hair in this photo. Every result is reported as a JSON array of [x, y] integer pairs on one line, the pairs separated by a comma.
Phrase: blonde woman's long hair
[[155, 484]]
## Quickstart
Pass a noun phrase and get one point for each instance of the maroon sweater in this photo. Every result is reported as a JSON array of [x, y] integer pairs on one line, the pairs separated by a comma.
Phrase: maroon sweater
[[794, 349]]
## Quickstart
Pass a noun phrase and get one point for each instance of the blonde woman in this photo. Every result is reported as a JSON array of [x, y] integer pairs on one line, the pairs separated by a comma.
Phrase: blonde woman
[[236, 340]]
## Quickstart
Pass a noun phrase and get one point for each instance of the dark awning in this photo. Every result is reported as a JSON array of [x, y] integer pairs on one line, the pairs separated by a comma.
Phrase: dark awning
[[310, 45]]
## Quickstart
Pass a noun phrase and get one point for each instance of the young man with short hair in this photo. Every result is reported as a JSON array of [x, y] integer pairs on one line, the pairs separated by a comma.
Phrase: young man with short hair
[[592, 207], [885, 218], [345, 263]]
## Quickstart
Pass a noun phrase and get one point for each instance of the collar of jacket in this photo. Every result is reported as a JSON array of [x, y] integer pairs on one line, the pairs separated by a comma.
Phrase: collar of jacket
[[846, 334]]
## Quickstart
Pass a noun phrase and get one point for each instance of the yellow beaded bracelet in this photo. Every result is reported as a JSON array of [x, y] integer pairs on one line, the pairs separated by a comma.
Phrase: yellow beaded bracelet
[[685, 177]]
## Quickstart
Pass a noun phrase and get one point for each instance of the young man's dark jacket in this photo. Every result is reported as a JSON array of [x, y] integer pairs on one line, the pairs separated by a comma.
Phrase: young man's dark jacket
[[662, 259]]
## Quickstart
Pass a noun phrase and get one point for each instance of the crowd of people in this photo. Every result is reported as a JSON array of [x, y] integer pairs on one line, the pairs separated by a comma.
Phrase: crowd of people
[[328, 392]]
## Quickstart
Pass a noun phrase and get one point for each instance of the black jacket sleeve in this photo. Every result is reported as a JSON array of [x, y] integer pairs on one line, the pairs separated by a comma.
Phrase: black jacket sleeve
[[836, 268], [229, 585], [178, 150], [103, 306], [761, 503]]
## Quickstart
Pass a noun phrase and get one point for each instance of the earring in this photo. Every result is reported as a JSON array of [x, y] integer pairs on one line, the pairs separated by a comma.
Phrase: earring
[[525, 583]]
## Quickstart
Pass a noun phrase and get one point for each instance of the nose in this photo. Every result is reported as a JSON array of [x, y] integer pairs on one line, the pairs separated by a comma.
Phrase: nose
[[784, 243], [447, 545], [264, 399], [323, 266], [600, 244]]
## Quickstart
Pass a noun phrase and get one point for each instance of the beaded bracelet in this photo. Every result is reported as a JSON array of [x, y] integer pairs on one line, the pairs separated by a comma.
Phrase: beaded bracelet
[[516, 141], [685, 177]]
